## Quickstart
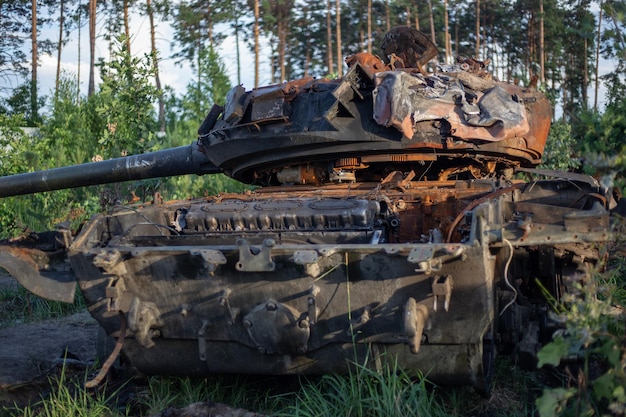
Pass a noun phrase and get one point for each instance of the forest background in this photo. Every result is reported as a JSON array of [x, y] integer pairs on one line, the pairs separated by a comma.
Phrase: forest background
[[129, 106]]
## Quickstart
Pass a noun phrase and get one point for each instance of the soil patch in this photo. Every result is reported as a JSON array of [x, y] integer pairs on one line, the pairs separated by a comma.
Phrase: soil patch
[[29, 352]]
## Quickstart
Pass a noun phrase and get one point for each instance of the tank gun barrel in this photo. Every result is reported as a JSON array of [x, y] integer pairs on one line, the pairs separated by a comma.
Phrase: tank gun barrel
[[164, 163]]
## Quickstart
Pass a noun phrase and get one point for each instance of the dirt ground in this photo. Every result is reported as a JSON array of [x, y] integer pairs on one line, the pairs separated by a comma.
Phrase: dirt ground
[[29, 352]]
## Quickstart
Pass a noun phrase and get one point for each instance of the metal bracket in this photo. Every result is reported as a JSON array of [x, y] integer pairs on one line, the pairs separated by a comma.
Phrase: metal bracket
[[111, 261], [142, 317], [415, 318], [304, 257], [424, 256], [211, 258], [357, 323], [312, 305], [421, 253], [113, 293], [232, 312], [308, 258], [442, 287], [255, 258]]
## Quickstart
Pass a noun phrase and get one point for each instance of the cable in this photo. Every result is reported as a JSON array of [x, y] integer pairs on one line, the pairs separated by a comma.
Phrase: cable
[[506, 276]]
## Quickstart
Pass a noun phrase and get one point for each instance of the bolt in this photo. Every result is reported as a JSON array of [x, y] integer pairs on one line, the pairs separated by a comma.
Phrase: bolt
[[270, 306], [301, 350], [247, 323], [303, 324], [262, 350]]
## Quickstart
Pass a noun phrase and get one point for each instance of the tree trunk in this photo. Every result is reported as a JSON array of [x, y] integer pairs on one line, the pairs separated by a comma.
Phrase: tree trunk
[[595, 99], [531, 45], [618, 31], [456, 35], [80, 25], [432, 22], [35, 59], [199, 49], [59, 49], [329, 40], [369, 26], [446, 31], [542, 62], [477, 28], [339, 54], [361, 39], [210, 25], [282, 47], [256, 43], [408, 15], [585, 75], [126, 26], [272, 63], [387, 17], [237, 47], [92, 47], [417, 18], [155, 64], [483, 45], [307, 55]]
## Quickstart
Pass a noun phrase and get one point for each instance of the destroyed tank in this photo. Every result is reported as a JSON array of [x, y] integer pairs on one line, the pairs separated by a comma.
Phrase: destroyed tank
[[398, 217]]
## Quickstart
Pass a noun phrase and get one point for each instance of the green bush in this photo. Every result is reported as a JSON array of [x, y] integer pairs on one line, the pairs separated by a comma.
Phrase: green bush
[[594, 337]]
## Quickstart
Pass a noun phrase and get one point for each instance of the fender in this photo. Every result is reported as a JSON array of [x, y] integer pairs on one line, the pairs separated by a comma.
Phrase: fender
[[38, 262]]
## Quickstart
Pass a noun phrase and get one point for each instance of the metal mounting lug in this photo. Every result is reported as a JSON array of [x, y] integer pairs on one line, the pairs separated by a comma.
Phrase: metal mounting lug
[[255, 258], [442, 287], [415, 318]]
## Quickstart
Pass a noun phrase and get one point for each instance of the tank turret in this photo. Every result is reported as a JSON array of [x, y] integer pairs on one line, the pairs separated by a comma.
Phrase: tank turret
[[382, 116]]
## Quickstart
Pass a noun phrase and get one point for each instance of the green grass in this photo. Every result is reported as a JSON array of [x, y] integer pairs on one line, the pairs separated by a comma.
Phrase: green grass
[[365, 392], [68, 398], [18, 305], [236, 391], [362, 392]]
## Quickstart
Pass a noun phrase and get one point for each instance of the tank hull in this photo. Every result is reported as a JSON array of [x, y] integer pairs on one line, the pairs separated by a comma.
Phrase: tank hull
[[267, 283]]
